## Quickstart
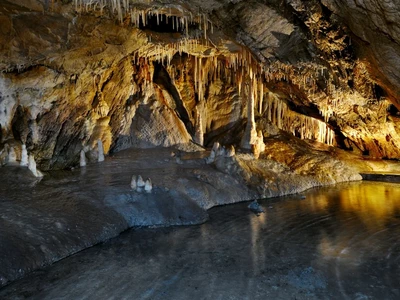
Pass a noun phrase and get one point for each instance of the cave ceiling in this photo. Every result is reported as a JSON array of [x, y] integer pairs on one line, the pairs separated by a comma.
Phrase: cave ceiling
[[161, 73]]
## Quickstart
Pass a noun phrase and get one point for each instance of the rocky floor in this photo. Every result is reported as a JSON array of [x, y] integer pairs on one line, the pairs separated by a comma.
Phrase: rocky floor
[[329, 243], [43, 221]]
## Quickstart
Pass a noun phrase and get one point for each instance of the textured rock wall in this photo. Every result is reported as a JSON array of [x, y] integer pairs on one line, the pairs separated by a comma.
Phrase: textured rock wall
[[160, 74]]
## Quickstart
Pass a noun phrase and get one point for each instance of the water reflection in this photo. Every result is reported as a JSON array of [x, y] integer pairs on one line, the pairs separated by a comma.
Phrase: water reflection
[[375, 204], [336, 243]]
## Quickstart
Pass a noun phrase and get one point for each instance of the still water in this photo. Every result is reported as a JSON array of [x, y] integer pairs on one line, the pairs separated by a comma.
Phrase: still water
[[340, 242]]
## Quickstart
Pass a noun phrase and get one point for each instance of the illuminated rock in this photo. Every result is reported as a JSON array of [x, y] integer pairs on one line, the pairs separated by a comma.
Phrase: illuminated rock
[[230, 152], [199, 134], [210, 82]]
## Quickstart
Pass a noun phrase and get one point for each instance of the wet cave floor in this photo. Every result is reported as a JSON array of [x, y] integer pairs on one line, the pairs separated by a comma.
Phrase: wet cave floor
[[340, 242]]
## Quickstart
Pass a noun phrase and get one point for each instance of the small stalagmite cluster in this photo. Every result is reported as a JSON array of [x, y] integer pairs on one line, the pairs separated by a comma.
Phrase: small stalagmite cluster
[[139, 185], [219, 151]]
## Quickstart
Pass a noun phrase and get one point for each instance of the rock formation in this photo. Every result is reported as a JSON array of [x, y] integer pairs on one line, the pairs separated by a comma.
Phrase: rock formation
[[140, 184], [82, 159], [100, 150], [148, 186], [24, 156], [12, 156], [32, 166], [133, 183], [308, 88], [148, 74]]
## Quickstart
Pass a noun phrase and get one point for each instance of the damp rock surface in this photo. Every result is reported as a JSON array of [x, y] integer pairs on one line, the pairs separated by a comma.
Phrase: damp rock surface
[[338, 242], [45, 219]]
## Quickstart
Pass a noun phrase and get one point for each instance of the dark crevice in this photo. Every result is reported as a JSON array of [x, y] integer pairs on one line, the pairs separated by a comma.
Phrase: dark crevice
[[162, 79], [20, 125], [379, 92], [310, 111], [393, 111], [161, 23], [106, 81]]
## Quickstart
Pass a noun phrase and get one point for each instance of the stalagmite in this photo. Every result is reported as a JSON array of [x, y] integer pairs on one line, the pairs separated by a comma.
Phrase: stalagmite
[[133, 183], [260, 141], [100, 151], [255, 151], [250, 133], [213, 153], [24, 156], [230, 152], [139, 184], [148, 186], [12, 156], [221, 152], [82, 160], [199, 134], [32, 166], [210, 159]]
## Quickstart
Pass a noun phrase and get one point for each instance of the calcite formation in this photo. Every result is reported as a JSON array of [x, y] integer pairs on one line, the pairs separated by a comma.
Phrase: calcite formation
[[127, 73], [24, 156]]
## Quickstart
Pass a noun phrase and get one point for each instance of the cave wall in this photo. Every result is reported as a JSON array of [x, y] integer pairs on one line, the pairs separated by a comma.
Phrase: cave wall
[[162, 74]]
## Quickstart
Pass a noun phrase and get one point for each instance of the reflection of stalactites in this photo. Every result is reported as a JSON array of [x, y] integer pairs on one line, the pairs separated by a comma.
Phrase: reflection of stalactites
[[179, 23]]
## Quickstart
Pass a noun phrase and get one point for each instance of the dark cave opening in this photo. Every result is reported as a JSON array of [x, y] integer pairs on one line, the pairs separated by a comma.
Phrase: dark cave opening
[[162, 23], [20, 124], [379, 92], [393, 111]]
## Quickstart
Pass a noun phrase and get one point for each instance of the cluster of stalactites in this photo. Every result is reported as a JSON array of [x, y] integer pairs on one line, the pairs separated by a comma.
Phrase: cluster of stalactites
[[181, 20], [299, 125], [305, 76], [180, 23], [240, 69], [120, 7]]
